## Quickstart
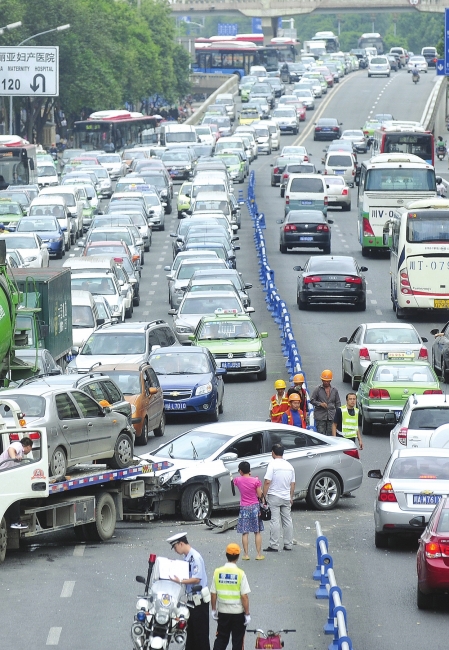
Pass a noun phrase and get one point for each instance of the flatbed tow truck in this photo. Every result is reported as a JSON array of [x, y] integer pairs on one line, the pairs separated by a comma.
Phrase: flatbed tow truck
[[90, 500]]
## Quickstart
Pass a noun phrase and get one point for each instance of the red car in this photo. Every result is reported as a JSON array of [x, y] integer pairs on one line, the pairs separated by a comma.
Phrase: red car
[[433, 556], [327, 74], [300, 108]]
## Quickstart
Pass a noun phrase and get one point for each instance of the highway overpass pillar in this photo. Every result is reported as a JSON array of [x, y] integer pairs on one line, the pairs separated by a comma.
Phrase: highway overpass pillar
[[270, 28]]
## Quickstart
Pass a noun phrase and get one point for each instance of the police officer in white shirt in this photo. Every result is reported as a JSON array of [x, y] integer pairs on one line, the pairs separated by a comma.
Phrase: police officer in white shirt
[[198, 626], [279, 489]]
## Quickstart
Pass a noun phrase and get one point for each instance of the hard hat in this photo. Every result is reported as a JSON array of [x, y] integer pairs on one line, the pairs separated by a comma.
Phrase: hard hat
[[297, 379], [294, 397], [326, 375], [233, 549], [280, 383]]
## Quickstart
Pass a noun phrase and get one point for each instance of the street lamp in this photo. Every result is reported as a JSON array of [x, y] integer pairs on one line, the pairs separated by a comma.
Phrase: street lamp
[[9, 27], [61, 28]]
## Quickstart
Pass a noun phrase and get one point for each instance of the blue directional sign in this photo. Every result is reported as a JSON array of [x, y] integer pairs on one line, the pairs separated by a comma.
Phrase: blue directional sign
[[227, 29], [446, 41], [440, 68], [257, 25]]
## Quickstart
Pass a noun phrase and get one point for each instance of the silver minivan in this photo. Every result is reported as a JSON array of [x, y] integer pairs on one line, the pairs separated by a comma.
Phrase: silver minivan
[[75, 205], [341, 163], [306, 192]]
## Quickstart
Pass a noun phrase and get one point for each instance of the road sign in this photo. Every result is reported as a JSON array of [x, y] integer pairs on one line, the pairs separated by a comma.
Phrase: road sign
[[227, 29], [440, 68], [257, 25], [29, 71], [446, 41]]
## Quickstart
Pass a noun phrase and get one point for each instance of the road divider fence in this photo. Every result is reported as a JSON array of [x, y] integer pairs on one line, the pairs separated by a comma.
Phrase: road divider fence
[[275, 305], [337, 623]]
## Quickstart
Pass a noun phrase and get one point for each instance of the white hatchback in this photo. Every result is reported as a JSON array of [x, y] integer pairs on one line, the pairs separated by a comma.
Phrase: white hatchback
[[379, 66], [424, 422]]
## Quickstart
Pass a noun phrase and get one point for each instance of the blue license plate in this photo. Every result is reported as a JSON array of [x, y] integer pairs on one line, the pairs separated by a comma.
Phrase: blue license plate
[[426, 499], [231, 364], [306, 239], [325, 129], [175, 406], [306, 202], [339, 171], [398, 414]]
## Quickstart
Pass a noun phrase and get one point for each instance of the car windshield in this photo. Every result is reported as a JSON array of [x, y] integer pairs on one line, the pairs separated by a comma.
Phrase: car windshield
[[120, 343], [22, 198], [310, 185], [34, 225], [208, 305], [222, 330], [152, 200], [422, 227], [102, 309], [403, 372], [339, 161], [338, 265], [104, 250], [179, 136], [46, 170], [391, 335], [110, 158], [155, 179], [14, 241], [429, 417], [128, 381], [10, 208], [284, 112], [216, 206], [32, 406], [187, 270], [98, 286], [169, 156], [400, 179], [111, 235], [420, 467], [82, 316], [180, 363], [193, 445], [212, 187], [334, 180]]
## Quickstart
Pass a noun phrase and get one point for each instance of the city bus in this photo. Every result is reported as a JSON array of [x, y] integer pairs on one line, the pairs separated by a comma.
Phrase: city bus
[[372, 39], [116, 130], [287, 48], [18, 164], [331, 40], [386, 182], [404, 138], [419, 262], [232, 57]]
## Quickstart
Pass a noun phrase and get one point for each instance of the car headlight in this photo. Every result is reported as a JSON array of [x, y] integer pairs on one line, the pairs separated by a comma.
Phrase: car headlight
[[252, 355], [30, 259], [183, 329], [164, 478], [204, 389], [188, 166], [71, 370], [115, 308]]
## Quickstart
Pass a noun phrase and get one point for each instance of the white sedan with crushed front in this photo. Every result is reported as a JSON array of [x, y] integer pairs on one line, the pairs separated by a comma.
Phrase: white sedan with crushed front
[[205, 460]]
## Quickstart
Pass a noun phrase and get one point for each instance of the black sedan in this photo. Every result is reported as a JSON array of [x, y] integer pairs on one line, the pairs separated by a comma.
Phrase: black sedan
[[327, 128], [392, 60], [440, 352], [331, 279], [305, 229]]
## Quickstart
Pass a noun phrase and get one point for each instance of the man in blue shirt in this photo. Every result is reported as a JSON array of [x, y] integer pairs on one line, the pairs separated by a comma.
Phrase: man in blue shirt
[[294, 415]]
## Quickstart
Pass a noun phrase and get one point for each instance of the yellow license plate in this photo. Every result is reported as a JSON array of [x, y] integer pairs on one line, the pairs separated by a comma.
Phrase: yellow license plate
[[441, 304]]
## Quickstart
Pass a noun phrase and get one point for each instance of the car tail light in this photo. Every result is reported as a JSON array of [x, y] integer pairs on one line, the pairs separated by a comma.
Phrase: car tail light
[[353, 280], [290, 228], [354, 453], [326, 200], [402, 435], [284, 175], [325, 172], [182, 624], [135, 258], [306, 158], [276, 170], [345, 191], [364, 354], [378, 393], [405, 282], [433, 550], [14, 437], [318, 128], [287, 200], [386, 493], [365, 132], [312, 279], [322, 228], [335, 128], [435, 391], [423, 354], [367, 230]]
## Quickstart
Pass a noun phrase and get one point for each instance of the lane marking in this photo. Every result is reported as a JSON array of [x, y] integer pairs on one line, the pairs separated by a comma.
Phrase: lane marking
[[149, 302], [161, 259], [53, 635], [67, 588], [369, 291], [78, 551], [151, 293], [145, 313], [158, 266], [373, 302], [379, 312], [153, 284]]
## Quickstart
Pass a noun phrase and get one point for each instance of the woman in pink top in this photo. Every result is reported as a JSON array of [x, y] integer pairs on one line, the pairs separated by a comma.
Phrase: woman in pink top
[[249, 521]]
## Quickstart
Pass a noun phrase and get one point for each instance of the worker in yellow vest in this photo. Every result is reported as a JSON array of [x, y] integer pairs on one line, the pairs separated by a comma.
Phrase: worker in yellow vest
[[229, 600], [347, 424]]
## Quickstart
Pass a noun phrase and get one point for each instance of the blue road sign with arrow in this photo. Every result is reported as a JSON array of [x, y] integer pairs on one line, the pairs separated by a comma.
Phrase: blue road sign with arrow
[[440, 67], [446, 41]]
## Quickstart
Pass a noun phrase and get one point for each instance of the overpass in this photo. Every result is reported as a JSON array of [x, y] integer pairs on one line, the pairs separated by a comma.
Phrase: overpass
[[271, 10]]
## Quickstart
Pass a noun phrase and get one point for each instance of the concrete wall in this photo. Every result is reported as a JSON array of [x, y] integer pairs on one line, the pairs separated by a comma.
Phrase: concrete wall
[[229, 86]]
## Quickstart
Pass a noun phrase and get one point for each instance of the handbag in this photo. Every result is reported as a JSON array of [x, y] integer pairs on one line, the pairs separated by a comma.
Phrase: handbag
[[264, 510]]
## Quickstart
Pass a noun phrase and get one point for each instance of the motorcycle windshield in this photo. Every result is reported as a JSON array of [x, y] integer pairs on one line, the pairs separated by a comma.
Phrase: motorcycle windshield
[[166, 591]]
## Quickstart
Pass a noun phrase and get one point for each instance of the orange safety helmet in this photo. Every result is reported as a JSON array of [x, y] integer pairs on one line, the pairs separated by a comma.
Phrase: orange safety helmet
[[326, 375], [297, 379], [280, 383], [294, 397]]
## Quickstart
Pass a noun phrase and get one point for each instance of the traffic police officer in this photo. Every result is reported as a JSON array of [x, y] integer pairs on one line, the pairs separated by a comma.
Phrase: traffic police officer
[[230, 602], [198, 626], [347, 423]]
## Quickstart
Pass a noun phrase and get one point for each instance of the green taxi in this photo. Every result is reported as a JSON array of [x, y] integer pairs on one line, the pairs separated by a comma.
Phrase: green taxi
[[234, 342], [88, 213], [184, 195], [245, 87], [42, 157], [11, 212], [369, 127], [234, 165], [387, 385]]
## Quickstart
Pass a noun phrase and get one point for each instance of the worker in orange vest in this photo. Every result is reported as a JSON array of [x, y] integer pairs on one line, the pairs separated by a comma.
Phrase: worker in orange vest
[[298, 383], [293, 415], [279, 401]]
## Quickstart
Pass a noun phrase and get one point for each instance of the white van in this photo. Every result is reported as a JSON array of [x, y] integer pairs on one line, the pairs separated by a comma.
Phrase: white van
[[306, 192], [74, 202], [258, 71], [341, 163], [275, 133], [85, 318], [56, 206], [183, 134], [46, 174]]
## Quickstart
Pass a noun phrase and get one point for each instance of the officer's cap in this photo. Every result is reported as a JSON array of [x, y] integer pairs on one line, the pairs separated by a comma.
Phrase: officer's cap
[[174, 539]]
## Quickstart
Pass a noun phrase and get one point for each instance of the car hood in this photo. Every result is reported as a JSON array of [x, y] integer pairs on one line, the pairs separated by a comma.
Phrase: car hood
[[232, 346], [85, 361], [188, 468], [173, 382], [189, 320]]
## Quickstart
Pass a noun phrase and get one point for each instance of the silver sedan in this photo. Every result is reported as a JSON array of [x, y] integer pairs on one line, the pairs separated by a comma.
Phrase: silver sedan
[[412, 484], [374, 342], [338, 192]]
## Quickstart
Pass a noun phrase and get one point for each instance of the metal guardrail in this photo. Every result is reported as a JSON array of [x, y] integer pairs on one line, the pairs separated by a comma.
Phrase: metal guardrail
[[229, 86], [337, 618]]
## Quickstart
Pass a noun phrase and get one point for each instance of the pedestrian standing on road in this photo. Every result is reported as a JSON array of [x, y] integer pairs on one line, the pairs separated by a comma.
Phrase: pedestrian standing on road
[[250, 488], [326, 400], [298, 388], [230, 601], [198, 627], [293, 415], [279, 489], [347, 424], [11, 457], [279, 401]]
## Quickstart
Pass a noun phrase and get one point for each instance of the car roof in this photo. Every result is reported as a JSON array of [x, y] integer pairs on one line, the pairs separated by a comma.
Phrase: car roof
[[108, 367], [179, 349], [139, 326], [223, 317], [421, 451], [209, 294], [428, 400], [388, 324]]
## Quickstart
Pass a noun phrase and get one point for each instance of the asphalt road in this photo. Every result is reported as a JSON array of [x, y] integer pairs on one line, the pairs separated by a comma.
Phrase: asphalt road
[[58, 592]]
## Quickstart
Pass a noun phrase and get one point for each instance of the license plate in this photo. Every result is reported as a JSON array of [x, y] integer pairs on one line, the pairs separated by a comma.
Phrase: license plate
[[325, 129], [306, 239], [339, 171], [426, 499], [231, 364], [441, 304], [306, 202], [397, 413], [175, 406]]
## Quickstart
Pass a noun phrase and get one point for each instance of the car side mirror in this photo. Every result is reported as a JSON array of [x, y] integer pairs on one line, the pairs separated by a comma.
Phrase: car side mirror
[[343, 339], [172, 312], [75, 351], [81, 243], [424, 339], [330, 221], [271, 165], [435, 332], [248, 285], [297, 268], [167, 268], [279, 221], [250, 310], [263, 335], [152, 390], [375, 473], [364, 268], [141, 579], [418, 522], [228, 457]]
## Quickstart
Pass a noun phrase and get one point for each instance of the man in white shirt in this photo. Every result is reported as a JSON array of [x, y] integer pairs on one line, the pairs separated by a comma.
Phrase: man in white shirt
[[278, 489], [10, 458]]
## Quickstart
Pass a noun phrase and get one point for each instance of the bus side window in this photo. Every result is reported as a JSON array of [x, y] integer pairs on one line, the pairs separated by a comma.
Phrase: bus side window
[[362, 181]]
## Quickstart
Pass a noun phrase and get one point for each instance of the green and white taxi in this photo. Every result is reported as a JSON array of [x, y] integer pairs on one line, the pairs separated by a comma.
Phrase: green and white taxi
[[234, 342], [11, 213], [184, 196], [234, 165], [387, 385]]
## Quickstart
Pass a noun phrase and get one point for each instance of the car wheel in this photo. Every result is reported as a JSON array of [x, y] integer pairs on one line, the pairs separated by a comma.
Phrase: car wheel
[[437, 371], [345, 377], [58, 462], [262, 375], [302, 304], [283, 248], [380, 540], [162, 226], [444, 372], [327, 250], [168, 211], [195, 503], [136, 300], [361, 306], [365, 251], [367, 427], [129, 312], [3, 539], [143, 438], [273, 184], [220, 408], [424, 601], [147, 248], [60, 255], [282, 192], [123, 452], [400, 313], [346, 207], [213, 415], [324, 491], [67, 246], [354, 383], [180, 215], [103, 527], [160, 430]]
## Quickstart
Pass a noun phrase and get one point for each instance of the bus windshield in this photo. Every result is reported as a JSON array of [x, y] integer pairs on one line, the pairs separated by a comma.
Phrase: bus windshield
[[400, 179], [425, 228], [418, 144]]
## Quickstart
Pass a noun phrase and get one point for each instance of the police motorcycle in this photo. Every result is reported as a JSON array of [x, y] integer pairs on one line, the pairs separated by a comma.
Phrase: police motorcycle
[[161, 614]]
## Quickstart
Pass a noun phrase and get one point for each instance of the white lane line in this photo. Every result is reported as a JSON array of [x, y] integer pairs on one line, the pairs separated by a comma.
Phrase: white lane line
[[155, 275], [158, 266], [346, 246], [78, 551], [151, 293], [161, 259], [145, 313], [149, 302], [369, 291], [373, 302], [72, 255], [379, 312], [76, 249], [53, 635], [153, 284], [67, 588], [343, 240]]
